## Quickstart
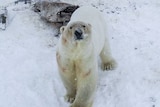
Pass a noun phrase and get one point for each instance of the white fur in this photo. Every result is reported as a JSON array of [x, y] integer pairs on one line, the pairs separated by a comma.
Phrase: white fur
[[78, 60], [93, 16]]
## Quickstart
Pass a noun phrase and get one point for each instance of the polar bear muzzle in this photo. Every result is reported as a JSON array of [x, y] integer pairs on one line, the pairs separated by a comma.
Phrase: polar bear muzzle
[[80, 30], [78, 34]]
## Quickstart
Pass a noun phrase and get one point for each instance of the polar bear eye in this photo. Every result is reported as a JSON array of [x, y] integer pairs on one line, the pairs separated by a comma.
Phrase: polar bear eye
[[70, 27]]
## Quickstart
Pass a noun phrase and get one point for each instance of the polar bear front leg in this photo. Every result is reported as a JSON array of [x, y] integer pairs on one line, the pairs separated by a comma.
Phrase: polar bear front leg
[[70, 86], [68, 78], [108, 63], [86, 87]]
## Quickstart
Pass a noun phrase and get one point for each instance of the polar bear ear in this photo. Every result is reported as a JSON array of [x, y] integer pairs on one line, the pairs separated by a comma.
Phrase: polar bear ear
[[62, 29]]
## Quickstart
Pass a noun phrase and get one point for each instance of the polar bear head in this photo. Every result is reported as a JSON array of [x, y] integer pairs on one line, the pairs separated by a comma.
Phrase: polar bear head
[[76, 32]]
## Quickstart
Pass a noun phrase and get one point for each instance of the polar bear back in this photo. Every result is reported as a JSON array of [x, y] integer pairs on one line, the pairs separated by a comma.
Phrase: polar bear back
[[93, 17]]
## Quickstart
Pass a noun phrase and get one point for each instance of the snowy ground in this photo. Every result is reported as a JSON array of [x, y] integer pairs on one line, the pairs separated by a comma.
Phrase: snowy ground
[[28, 70]]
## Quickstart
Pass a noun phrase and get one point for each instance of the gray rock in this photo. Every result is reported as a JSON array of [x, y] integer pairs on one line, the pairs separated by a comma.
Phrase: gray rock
[[54, 12]]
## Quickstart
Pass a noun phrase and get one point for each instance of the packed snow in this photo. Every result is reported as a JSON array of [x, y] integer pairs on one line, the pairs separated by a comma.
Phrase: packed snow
[[28, 68]]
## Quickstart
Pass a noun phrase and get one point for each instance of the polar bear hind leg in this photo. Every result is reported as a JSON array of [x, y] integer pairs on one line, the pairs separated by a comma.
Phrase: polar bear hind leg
[[107, 62]]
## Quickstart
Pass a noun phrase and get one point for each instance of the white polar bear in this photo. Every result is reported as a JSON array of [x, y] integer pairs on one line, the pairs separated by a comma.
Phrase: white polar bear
[[80, 44]]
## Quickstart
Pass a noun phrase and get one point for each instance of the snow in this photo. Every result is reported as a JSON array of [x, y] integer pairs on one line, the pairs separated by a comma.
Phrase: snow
[[28, 69]]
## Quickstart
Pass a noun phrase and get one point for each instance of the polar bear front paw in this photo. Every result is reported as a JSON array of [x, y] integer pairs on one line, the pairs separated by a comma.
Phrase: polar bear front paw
[[69, 98], [110, 65]]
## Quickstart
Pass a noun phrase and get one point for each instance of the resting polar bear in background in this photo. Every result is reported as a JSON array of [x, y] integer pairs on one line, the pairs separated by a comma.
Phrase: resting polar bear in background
[[80, 44]]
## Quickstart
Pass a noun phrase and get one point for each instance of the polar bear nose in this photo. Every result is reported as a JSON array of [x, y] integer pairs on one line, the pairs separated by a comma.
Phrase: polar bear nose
[[78, 34]]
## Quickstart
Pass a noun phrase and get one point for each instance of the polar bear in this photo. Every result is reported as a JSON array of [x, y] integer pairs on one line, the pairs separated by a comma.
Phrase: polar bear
[[82, 40]]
